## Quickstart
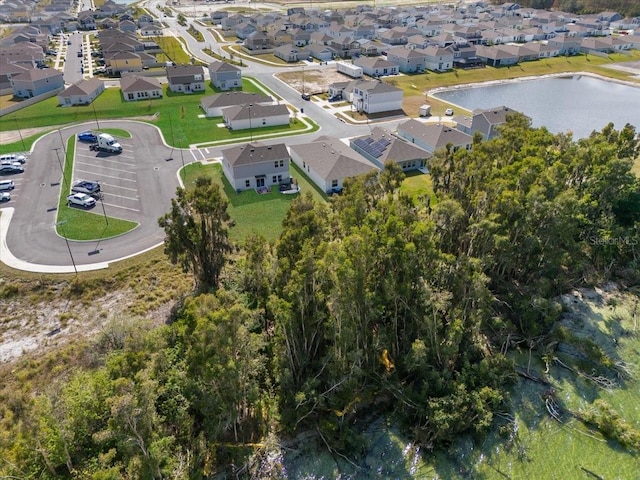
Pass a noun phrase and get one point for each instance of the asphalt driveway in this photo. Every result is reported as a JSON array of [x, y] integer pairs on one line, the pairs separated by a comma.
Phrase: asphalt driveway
[[138, 185]]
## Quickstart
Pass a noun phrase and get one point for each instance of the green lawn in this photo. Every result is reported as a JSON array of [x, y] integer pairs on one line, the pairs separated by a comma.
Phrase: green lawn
[[416, 84], [263, 214], [178, 115]]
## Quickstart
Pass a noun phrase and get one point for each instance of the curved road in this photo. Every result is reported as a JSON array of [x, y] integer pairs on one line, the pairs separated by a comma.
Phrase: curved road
[[151, 183]]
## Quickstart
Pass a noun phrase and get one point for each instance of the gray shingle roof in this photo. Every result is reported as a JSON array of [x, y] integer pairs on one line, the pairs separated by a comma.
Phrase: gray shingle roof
[[253, 153]]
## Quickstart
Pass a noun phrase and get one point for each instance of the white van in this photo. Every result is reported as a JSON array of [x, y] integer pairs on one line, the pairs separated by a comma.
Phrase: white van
[[6, 185], [12, 157]]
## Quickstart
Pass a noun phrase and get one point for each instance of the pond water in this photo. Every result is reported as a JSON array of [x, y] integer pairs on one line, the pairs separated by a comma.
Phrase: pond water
[[578, 103]]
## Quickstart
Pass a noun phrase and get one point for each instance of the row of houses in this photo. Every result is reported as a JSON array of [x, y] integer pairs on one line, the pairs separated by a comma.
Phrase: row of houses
[[444, 37], [329, 161]]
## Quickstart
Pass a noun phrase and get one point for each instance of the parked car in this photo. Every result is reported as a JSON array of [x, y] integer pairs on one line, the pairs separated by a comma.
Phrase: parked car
[[306, 96], [87, 137], [86, 186], [6, 185], [13, 167], [13, 157], [81, 200], [448, 112], [5, 196]]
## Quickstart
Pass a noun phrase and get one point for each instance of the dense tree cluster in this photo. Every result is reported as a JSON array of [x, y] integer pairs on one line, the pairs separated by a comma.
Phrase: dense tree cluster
[[376, 303]]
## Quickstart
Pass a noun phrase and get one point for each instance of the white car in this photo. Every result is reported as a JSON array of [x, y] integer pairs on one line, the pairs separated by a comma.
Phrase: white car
[[448, 112], [5, 196], [81, 200]]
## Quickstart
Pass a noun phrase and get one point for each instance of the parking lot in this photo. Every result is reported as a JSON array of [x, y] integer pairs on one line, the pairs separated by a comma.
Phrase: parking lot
[[116, 174], [18, 181]]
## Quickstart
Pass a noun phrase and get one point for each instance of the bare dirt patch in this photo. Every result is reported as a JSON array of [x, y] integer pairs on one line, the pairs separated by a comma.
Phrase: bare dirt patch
[[315, 79]]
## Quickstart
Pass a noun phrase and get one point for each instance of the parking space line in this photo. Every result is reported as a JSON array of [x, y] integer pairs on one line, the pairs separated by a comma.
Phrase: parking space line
[[120, 187], [135, 199], [93, 172], [195, 157], [120, 206]]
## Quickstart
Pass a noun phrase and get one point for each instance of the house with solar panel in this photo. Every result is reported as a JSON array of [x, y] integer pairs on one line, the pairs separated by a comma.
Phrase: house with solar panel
[[328, 161], [381, 146]]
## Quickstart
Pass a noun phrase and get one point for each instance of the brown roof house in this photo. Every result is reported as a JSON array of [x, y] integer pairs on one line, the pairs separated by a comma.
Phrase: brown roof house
[[327, 161], [83, 92], [255, 165], [136, 87]]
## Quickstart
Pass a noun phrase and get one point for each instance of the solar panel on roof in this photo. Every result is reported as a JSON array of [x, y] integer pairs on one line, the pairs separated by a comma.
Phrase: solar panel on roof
[[369, 140]]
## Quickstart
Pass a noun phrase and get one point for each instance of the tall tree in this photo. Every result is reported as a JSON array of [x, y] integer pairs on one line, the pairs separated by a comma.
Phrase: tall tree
[[196, 232]]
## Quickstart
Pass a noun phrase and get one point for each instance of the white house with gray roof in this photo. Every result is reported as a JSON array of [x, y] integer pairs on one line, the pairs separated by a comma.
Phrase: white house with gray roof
[[376, 66], [483, 121], [185, 78], [432, 137], [255, 165], [83, 92], [242, 117], [212, 105], [136, 87], [327, 161], [375, 97]]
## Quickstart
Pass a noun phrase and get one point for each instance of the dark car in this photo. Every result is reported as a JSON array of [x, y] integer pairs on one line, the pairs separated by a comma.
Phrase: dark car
[[13, 167], [87, 137], [86, 186], [306, 96]]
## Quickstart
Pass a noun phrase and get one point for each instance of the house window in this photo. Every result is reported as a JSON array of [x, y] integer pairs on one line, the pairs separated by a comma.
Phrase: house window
[[247, 183], [282, 163], [274, 179], [279, 178], [275, 164], [130, 96], [334, 183]]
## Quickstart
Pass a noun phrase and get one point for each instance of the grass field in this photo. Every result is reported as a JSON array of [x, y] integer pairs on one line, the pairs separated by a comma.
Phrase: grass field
[[178, 115]]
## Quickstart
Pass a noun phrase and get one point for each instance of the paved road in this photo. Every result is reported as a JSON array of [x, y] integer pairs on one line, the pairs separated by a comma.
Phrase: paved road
[[150, 182]]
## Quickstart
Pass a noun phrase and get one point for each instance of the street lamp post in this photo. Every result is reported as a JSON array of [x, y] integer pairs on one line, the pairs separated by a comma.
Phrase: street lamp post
[[250, 130], [73, 262]]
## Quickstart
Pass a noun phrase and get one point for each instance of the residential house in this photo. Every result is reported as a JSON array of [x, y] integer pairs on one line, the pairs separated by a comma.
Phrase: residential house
[[36, 81], [122, 62], [83, 92], [127, 26], [321, 52], [225, 76], [380, 147], [86, 20], [259, 41], [321, 38], [289, 53], [394, 37], [376, 66], [151, 30], [328, 162], [346, 47], [299, 37], [135, 87], [250, 116], [185, 78], [245, 29], [255, 165], [212, 105], [375, 97], [369, 48], [484, 121], [409, 60], [437, 59], [496, 56], [432, 137], [565, 44]]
